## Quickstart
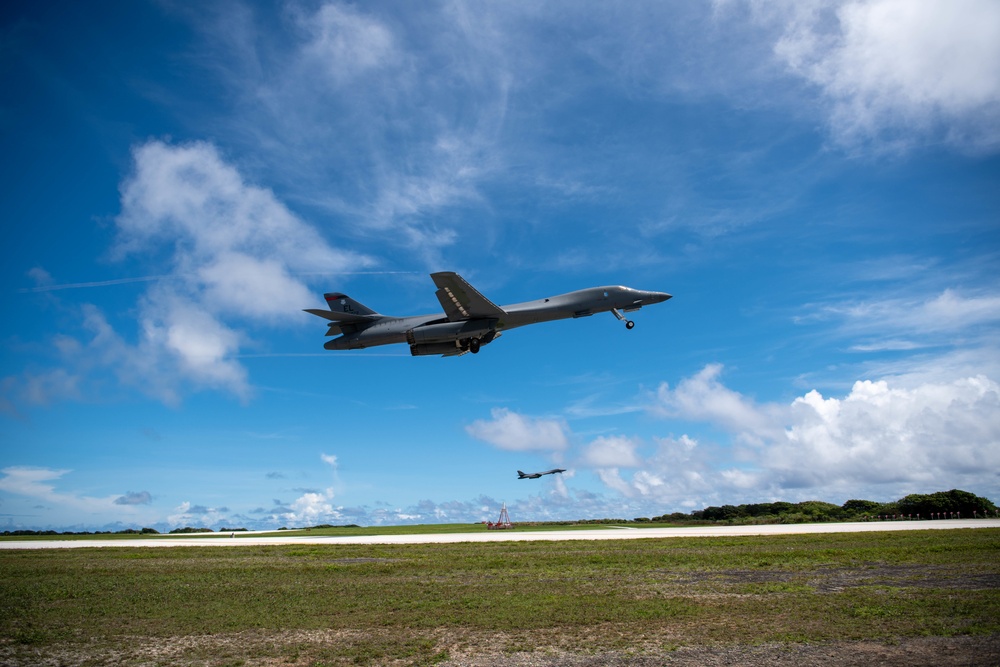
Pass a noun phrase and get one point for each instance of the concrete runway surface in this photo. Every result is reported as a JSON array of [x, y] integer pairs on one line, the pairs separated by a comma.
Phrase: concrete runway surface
[[605, 533]]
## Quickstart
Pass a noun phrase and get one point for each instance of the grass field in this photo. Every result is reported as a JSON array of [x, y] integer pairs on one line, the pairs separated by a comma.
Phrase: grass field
[[421, 604]]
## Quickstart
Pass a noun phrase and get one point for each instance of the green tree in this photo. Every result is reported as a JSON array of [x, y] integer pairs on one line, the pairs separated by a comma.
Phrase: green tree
[[954, 501], [858, 507]]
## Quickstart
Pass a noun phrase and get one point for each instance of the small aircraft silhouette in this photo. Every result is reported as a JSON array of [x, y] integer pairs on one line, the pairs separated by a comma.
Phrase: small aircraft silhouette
[[536, 475]]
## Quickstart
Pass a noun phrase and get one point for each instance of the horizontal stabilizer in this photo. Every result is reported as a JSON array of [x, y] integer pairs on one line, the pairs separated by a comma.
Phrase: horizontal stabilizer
[[461, 301], [343, 309], [334, 316]]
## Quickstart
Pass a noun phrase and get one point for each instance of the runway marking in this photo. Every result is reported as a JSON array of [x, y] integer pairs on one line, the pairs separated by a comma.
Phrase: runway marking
[[510, 536]]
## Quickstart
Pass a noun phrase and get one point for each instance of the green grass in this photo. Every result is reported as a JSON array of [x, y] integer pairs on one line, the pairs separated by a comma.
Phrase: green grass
[[367, 604]]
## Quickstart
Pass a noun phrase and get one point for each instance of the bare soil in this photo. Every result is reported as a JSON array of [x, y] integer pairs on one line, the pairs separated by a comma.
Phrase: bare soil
[[912, 652], [460, 649]]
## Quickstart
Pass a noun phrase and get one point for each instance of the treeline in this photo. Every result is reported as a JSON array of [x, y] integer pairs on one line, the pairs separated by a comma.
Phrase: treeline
[[189, 529], [940, 505], [943, 504], [127, 531]]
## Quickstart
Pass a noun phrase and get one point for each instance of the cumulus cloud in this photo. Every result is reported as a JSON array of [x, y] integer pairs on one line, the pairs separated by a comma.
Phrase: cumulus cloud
[[232, 241], [312, 507], [895, 70], [611, 452], [878, 436], [234, 257], [881, 440], [201, 516], [515, 432], [881, 434], [704, 398]]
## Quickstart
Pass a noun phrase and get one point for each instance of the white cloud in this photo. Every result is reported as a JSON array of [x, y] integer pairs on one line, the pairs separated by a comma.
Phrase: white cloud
[[202, 345], [948, 312], [29, 481], [703, 398], [401, 108], [896, 70], [196, 516], [188, 197], [955, 330], [345, 44], [879, 436], [311, 508], [611, 452], [514, 432], [40, 484], [234, 256]]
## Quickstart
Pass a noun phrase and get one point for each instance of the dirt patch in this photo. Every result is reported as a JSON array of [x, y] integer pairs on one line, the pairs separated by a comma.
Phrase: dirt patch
[[913, 652], [834, 579], [450, 648]]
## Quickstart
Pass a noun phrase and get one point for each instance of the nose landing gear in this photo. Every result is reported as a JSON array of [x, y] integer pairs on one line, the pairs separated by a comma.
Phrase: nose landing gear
[[629, 324]]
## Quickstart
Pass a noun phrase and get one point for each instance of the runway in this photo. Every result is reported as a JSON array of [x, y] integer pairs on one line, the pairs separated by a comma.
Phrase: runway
[[604, 533]]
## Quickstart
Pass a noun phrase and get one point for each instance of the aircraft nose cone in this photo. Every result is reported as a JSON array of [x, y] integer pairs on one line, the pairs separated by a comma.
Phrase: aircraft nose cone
[[659, 297]]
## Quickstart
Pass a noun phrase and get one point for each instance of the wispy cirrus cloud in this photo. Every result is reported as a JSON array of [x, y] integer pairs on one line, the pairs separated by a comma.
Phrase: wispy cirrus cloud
[[944, 319], [366, 99], [42, 485]]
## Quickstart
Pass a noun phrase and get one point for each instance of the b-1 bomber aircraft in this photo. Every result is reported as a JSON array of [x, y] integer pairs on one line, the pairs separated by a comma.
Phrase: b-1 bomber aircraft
[[536, 475], [470, 320]]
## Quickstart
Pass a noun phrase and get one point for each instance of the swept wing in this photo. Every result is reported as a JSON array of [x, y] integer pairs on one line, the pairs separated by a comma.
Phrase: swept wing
[[462, 301]]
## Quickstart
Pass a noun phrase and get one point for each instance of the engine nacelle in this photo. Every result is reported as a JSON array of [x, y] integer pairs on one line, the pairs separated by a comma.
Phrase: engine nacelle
[[449, 332], [347, 342], [434, 348]]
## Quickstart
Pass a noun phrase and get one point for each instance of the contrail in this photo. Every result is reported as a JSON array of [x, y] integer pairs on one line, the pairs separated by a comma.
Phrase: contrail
[[146, 279], [270, 355], [98, 283], [354, 273]]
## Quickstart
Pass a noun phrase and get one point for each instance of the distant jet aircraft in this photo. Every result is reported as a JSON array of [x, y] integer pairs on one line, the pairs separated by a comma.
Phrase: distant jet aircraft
[[470, 320], [536, 475]]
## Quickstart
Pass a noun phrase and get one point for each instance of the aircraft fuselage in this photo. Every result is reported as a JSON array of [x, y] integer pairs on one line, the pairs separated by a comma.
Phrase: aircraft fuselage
[[470, 320]]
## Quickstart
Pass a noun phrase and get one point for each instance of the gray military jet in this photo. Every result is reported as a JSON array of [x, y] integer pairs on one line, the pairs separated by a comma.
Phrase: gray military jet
[[470, 320], [536, 475]]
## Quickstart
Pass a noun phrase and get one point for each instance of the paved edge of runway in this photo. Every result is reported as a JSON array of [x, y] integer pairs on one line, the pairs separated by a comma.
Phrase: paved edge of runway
[[609, 533]]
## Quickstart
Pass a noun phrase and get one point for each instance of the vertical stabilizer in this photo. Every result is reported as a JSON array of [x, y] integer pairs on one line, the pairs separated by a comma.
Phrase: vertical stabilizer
[[341, 303]]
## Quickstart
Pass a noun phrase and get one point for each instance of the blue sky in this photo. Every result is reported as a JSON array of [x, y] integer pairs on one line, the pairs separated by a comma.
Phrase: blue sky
[[815, 183]]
